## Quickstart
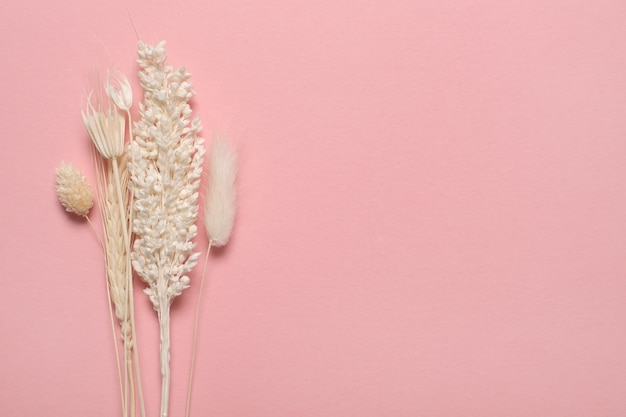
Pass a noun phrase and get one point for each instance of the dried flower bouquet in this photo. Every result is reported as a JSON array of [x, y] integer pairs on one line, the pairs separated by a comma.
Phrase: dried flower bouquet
[[148, 192]]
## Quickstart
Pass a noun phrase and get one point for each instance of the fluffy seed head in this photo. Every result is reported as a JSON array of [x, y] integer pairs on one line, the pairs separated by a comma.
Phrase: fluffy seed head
[[73, 191], [221, 196]]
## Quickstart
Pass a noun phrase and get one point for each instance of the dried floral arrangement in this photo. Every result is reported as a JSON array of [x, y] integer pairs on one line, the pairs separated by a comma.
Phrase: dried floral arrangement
[[148, 191]]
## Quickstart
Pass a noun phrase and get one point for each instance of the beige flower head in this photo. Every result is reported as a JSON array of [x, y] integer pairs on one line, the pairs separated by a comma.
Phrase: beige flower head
[[73, 190], [106, 129], [119, 91]]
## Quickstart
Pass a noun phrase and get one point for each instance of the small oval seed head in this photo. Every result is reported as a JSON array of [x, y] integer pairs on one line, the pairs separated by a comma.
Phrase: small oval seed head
[[73, 191]]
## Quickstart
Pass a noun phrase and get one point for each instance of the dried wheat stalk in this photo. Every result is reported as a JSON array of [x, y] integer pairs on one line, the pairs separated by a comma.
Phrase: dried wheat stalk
[[116, 260], [106, 126]]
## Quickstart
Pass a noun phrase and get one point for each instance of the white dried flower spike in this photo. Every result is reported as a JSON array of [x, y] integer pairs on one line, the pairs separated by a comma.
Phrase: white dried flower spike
[[106, 129], [166, 165], [119, 91], [165, 161], [221, 195], [73, 191]]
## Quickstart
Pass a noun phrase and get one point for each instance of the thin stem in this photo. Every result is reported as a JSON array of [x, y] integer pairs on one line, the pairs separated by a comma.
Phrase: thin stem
[[135, 350], [195, 331], [164, 322], [131, 383], [131, 300], [94, 231], [129, 355]]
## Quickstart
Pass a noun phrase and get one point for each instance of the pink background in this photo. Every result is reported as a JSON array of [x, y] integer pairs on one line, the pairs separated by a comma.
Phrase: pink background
[[432, 208]]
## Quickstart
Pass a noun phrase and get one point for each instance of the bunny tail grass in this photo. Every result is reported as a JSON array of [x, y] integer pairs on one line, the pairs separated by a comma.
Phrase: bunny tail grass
[[221, 196], [219, 216]]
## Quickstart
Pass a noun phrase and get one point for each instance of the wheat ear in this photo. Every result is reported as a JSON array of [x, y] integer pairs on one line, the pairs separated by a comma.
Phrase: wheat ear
[[115, 255], [106, 126], [166, 164]]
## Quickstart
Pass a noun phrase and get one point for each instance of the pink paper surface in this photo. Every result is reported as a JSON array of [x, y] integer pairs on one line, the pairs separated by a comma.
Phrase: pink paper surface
[[432, 209]]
